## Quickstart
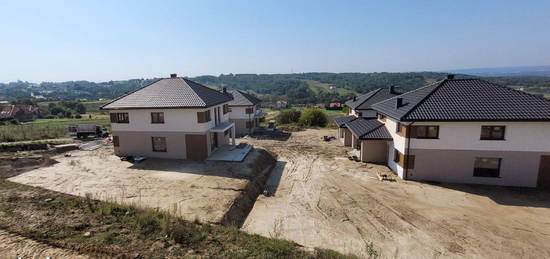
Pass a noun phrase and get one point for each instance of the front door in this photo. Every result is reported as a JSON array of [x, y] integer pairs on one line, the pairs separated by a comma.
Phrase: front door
[[544, 173]]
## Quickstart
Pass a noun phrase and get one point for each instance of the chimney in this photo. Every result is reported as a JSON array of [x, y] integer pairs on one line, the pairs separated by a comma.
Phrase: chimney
[[392, 90], [450, 76], [224, 90], [173, 75], [399, 102], [354, 98]]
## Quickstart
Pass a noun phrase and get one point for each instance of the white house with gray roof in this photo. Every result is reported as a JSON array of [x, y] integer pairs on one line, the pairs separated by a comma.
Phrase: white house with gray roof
[[245, 112], [171, 118], [463, 131]]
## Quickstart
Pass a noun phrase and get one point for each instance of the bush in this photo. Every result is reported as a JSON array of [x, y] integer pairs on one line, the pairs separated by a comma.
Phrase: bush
[[288, 116], [313, 117], [78, 116]]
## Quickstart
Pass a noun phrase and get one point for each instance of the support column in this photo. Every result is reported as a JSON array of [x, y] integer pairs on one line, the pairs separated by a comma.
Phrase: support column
[[233, 135]]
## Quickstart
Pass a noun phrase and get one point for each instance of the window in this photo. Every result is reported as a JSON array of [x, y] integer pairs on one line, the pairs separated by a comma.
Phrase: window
[[116, 141], [398, 128], [119, 117], [203, 117], [396, 157], [492, 132], [249, 110], [157, 117], [159, 144], [426, 132], [487, 167], [226, 109]]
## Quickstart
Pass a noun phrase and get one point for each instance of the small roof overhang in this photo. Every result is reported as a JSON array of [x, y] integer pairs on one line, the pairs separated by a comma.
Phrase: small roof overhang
[[223, 127]]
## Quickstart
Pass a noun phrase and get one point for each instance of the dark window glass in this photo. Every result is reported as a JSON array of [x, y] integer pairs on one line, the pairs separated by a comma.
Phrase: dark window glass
[[487, 167], [157, 117], [426, 131], [492, 132], [396, 156], [120, 117], [159, 144]]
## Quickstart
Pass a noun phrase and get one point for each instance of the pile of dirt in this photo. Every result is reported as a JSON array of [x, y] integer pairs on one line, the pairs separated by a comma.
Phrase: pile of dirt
[[291, 128], [23, 147], [12, 166]]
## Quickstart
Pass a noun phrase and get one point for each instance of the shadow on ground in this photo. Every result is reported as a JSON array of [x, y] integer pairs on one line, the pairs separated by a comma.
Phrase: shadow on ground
[[509, 196]]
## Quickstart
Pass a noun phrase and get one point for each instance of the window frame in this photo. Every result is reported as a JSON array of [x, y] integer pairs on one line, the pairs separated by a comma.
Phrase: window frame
[[485, 174], [249, 110], [160, 150], [119, 117], [396, 156], [398, 127], [426, 131], [491, 132], [159, 116]]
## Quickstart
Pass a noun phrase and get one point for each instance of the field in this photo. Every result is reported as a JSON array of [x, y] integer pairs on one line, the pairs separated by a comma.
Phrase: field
[[47, 128], [91, 106]]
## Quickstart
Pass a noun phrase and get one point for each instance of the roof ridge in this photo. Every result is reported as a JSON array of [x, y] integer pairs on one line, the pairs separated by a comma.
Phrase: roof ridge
[[373, 94], [131, 92], [439, 85], [195, 92]]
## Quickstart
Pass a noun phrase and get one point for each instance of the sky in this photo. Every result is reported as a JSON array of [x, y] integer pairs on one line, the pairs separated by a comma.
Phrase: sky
[[116, 40]]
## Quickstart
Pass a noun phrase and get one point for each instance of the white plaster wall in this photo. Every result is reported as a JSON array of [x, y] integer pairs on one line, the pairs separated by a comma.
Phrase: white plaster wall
[[239, 112], [519, 136], [399, 142], [392, 165], [175, 120]]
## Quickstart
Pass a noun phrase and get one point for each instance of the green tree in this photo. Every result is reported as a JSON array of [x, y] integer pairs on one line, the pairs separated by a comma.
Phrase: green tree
[[80, 108], [288, 116], [313, 117]]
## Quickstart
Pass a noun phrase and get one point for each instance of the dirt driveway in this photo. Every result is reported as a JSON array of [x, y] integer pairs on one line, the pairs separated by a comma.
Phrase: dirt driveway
[[207, 191], [324, 200]]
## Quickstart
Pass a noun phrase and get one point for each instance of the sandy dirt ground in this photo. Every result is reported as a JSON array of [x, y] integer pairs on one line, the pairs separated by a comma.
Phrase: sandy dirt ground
[[14, 246], [321, 199], [193, 190]]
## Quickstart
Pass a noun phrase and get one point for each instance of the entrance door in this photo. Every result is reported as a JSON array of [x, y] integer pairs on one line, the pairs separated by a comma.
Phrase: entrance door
[[196, 148], [544, 173]]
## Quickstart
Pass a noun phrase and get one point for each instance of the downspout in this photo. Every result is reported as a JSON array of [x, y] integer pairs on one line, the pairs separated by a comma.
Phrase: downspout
[[406, 155]]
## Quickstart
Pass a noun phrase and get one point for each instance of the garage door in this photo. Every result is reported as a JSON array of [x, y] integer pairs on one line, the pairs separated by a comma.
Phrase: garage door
[[196, 147]]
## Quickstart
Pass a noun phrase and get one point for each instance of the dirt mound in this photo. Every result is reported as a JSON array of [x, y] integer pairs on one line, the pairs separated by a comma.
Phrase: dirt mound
[[291, 128]]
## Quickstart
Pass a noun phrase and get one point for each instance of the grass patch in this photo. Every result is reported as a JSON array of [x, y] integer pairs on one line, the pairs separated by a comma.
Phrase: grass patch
[[103, 229], [47, 128]]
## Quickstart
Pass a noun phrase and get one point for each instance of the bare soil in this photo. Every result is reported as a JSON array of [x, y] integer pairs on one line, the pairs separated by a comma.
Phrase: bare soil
[[321, 199], [15, 246], [204, 191]]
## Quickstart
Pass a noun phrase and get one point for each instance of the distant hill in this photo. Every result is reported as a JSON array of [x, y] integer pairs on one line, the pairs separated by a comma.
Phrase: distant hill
[[506, 71], [296, 88]]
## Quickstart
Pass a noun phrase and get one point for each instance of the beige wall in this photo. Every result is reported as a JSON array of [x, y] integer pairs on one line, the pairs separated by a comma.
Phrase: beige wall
[[374, 151], [518, 168], [140, 144], [240, 126], [239, 112]]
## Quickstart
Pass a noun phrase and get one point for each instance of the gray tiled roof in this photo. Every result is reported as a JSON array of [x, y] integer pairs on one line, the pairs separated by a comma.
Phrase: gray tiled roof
[[466, 100], [368, 129], [170, 93], [242, 99], [341, 121], [364, 102]]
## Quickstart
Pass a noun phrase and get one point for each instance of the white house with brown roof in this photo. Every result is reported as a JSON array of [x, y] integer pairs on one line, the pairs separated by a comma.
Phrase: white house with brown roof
[[171, 118], [464, 131], [245, 112]]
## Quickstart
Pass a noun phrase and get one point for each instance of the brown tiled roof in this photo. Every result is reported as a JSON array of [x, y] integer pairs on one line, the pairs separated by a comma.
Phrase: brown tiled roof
[[170, 93]]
